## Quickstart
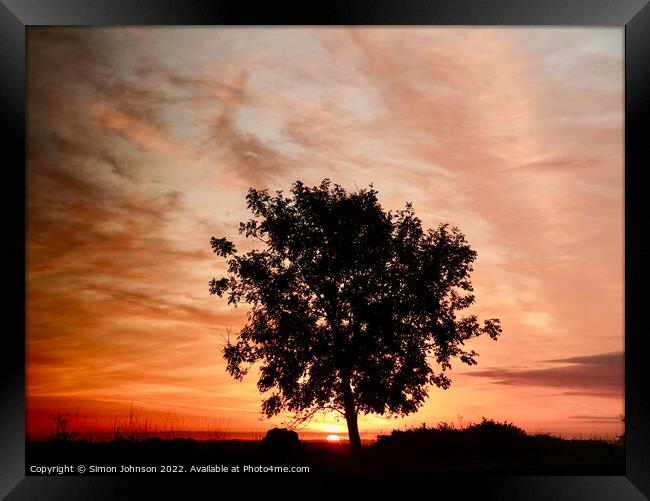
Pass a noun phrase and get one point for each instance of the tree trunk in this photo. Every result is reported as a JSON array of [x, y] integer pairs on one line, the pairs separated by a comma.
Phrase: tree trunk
[[353, 430], [351, 416]]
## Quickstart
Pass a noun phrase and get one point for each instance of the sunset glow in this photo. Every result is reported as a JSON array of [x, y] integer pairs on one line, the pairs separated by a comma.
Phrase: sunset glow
[[142, 143]]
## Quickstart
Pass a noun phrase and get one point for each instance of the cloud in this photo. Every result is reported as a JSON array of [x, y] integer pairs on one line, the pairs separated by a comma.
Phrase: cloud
[[615, 359], [142, 143], [600, 374], [598, 419]]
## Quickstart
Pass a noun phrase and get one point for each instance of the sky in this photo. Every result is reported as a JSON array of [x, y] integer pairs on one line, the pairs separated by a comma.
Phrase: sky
[[142, 143]]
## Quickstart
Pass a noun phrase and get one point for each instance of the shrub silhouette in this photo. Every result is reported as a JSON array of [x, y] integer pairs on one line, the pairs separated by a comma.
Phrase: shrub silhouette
[[62, 432], [281, 441], [490, 444]]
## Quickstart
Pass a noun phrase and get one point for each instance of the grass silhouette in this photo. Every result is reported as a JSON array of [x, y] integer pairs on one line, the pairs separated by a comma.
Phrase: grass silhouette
[[488, 447]]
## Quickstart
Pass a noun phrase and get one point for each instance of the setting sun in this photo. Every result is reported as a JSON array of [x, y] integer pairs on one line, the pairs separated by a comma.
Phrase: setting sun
[[333, 438]]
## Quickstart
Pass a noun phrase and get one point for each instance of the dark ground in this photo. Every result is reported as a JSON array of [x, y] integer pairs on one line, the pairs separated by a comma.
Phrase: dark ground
[[485, 448]]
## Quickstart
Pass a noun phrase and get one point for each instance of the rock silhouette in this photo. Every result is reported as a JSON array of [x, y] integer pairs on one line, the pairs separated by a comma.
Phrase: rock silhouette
[[281, 440]]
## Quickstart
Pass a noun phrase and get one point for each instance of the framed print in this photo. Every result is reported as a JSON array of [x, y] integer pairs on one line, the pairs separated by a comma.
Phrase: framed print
[[374, 243]]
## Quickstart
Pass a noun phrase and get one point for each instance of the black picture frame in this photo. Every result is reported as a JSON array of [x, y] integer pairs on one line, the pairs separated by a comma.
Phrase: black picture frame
[[17, 15]]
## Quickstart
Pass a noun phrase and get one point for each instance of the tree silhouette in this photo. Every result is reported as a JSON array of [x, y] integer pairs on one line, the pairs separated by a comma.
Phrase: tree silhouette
[[349, 303]]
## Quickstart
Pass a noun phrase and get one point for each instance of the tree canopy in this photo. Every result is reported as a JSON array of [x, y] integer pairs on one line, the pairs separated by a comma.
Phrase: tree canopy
[[353, 309]]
